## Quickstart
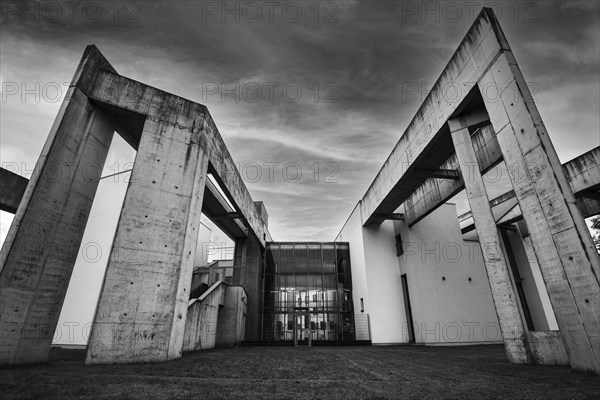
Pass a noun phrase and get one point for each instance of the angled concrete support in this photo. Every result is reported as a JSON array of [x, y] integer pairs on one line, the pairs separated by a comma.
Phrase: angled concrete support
[[42, 244], [563, 246], [505, 301], [143, 303]]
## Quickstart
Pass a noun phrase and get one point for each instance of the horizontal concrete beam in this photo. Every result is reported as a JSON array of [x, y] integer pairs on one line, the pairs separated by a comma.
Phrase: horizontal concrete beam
[[395, 182], [435, 192], [114, 90], [12, 188], [392, 216], [583, 175], [439, 174], [214, 206], [494, 202]]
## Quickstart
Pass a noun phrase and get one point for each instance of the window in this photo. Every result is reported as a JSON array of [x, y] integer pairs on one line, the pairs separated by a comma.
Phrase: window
[[399, 249]]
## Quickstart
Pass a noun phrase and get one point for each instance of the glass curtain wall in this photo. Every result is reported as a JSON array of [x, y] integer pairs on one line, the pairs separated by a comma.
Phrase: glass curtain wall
[[308, 291]]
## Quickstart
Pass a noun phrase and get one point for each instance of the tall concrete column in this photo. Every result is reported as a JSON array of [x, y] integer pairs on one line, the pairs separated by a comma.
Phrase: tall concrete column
[[566, 254], [41, 247], [505, 300], [249, 257], [143, 304]]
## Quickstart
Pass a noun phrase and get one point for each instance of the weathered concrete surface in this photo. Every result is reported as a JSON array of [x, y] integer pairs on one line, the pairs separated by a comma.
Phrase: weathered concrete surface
[[231, 324], [505, 301], [143, 302], [202, 318], [144, 299], [547, 348], [583, 175], [248, 255], [40, 249], [566, 254], [12, 189], [394, 183], [118, 91], [435, 192]]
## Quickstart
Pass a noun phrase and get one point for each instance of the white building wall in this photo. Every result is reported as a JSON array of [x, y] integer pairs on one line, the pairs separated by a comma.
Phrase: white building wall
[[534, 268], [376, 278], [454, 310], [352, 233], [447, 307], [386, 301]]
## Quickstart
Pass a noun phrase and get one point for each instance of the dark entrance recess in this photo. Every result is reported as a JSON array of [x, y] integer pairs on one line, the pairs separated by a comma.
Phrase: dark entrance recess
[[409, 318]]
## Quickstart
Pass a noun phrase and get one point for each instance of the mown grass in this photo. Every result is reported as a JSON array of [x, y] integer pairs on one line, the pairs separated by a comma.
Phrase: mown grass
[[300, 373]]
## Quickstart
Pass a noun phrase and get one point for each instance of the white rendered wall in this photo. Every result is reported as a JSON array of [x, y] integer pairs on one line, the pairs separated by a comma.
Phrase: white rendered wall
[[454, 309], [541, 286], [387, 311], [352, 233], [376, 278]]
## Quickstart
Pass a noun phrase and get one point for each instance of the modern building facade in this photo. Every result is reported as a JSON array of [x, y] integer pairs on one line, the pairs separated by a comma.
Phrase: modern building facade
[[519, 269], [307, 291]]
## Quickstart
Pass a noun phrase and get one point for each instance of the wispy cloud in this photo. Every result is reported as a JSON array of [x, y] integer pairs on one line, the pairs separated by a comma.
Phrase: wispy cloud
[[367, 55]]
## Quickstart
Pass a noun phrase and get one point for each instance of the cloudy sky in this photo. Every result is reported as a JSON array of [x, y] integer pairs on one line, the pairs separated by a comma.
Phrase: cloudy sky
[[319, 89]]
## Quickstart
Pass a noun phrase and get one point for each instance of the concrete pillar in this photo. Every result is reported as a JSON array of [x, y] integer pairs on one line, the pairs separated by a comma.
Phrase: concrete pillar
[[143, 304], [563, 246], [505, 301], [248, 255], [232, 318], [42, 244]]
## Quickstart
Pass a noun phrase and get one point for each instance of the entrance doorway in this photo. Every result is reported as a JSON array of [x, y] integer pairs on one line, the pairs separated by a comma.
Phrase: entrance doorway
[[409, 318], [302, 332]]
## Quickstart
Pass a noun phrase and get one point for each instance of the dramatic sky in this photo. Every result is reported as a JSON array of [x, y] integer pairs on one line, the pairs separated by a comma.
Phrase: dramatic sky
[[356, 63], [309, 97]]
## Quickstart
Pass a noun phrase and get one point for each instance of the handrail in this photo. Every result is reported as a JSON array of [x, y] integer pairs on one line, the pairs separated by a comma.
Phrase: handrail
[[205, 294]]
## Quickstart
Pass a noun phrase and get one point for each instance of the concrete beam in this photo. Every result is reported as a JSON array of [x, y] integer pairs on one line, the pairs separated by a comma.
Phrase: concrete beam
[[583, 173], [118, 91], [439, 174], [493, 203], [434, 192], [12, 188], [566, 254], [505, 301], [394, 183]]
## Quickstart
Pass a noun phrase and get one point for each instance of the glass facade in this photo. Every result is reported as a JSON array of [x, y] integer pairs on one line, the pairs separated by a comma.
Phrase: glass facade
[[307, 291]]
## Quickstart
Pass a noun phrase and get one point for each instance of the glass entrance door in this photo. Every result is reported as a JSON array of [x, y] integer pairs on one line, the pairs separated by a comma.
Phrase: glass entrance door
[[302, 332]]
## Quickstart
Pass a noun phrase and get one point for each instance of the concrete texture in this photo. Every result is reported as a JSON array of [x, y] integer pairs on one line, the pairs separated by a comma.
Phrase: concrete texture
[[143, 303], [563, 246], [428, 129], [249, 256], [435, 192], [505, 301], [40, 249], [114, 90], [231, 324], [144, 299], [12, 189], [202, 318], [547, 348]]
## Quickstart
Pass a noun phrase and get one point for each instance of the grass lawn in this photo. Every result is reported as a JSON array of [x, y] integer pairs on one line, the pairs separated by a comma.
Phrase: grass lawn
[[304, 373]]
